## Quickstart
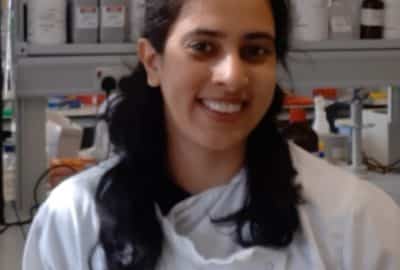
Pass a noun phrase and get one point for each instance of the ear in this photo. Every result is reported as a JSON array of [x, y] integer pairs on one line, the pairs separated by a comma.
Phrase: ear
[[151, 61]]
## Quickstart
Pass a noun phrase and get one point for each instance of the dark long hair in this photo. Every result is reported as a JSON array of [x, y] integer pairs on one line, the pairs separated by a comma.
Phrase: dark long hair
[[130, 232]]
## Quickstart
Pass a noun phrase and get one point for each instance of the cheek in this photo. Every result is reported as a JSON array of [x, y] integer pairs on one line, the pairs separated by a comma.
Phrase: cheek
[[265, 90]]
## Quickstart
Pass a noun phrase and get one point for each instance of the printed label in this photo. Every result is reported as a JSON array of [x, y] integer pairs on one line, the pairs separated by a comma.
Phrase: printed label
[[372, 17], [113, 16], [340, 24], [87, 17]]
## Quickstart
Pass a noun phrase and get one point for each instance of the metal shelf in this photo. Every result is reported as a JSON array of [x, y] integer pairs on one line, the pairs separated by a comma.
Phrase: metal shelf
[[347, 45], [343, 64], [46, 76], [70, 68], [29, 50]]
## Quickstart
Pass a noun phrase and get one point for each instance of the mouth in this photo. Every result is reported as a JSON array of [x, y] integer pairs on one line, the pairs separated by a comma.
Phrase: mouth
[[223, 106]]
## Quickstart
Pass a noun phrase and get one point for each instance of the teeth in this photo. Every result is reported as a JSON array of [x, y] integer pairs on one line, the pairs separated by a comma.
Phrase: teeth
[[222, 107]]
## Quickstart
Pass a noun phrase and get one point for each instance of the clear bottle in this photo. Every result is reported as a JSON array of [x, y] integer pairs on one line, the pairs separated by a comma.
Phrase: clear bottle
[[9, 168], [113, 21], [392, 19], [137, 13], [85, 21], [344, 23], [372, 19], [47, 22], [310, 20]]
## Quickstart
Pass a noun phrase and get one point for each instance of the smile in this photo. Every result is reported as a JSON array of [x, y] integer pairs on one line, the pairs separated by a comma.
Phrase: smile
[[222, 106]]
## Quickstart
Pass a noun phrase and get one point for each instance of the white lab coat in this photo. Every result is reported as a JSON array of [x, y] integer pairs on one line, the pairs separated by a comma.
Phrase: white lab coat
[[346, 224]]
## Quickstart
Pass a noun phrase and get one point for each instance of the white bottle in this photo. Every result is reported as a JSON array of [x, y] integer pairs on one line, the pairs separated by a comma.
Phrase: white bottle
[[392, 19], [310, 20], [113, 21], [344, 19], [137, 11], [320, 124], [85, 21], [47, 22], [9, 168]]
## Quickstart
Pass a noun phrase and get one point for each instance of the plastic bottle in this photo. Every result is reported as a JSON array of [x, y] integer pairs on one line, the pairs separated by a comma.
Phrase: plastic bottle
[[85, 21], [9, 166], [392, 19], [344, 23], [372, 19], [113, 21], [47, 22], [137, 15], [300, 132], [320, 124], [310, 20]]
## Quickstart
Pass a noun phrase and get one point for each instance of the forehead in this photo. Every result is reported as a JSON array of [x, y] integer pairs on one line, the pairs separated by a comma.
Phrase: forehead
[[228, 16]]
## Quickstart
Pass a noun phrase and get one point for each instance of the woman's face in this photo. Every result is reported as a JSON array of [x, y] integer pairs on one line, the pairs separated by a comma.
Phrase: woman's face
[[217, 72]]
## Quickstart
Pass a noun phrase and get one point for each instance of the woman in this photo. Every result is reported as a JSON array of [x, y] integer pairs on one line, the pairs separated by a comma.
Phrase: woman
[[203, 179]]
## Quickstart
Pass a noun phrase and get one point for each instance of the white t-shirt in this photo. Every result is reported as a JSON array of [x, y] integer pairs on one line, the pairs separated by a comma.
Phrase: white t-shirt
[[346, 224]]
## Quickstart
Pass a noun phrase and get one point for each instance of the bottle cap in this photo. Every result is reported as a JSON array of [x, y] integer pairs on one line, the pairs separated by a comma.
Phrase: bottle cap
[[297, 115], [9, 148]]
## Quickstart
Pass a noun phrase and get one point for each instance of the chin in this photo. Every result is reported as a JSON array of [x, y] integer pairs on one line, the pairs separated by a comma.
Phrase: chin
[[221, 144]]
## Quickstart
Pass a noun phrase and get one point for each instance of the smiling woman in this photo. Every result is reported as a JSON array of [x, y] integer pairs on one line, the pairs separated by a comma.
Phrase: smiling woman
[[201, 177]]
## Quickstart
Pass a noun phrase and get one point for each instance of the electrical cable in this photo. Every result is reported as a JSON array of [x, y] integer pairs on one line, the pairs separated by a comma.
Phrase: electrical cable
[[36, 205], [4, 229], [21, 227], [376, 166]]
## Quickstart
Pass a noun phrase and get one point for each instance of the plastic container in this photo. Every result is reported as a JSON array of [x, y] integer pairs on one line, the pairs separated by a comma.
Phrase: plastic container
[[300, 132], [344, 23], [392, 19], [320, 124], [9, 169], [47, 22], [85, 21], [310, 20], [113, 21], [137, 13]]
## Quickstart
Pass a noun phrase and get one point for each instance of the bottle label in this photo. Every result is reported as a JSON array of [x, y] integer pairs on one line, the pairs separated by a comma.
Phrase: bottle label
[[341, 24], [113, 16], [47, 26], [310, 23], [87, 17], [372, 17]]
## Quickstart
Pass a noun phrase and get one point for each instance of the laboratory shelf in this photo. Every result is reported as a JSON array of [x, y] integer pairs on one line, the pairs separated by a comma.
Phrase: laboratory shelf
[[64, 75], [343, 64], [31, 50], [349, 45], [71, 68]]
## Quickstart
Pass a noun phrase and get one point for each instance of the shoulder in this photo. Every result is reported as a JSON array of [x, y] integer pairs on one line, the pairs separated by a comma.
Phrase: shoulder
[[79, 190], [333, 188], [66, 225], [346, 214]]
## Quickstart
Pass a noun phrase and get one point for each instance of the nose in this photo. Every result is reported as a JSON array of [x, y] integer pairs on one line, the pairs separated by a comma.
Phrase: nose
[[231, 73]]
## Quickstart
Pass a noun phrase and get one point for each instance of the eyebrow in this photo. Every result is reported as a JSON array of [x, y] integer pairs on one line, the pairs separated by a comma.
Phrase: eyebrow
[[217, 34]]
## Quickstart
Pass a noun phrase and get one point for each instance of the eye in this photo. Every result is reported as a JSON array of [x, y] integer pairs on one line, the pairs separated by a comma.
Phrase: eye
[[201, 47], [256, 53]]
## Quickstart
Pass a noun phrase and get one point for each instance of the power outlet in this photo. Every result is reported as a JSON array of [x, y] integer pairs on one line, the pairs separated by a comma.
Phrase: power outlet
[[110, 73]]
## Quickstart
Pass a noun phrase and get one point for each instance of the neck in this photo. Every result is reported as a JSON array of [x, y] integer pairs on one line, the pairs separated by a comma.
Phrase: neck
[[196, 169]]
